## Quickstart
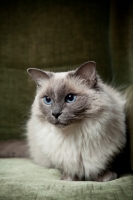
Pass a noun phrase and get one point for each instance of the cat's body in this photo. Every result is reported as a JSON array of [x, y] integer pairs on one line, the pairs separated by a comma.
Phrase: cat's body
[[77, 124]]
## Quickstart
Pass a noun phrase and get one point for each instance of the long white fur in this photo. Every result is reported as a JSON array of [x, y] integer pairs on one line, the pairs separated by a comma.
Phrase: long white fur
[[83, 148]]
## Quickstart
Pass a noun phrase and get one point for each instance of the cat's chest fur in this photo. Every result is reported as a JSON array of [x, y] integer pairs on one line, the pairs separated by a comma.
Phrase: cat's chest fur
[[78, 150]]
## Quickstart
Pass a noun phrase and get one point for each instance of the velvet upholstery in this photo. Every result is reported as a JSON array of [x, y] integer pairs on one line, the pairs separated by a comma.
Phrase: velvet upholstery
[[21, 179]]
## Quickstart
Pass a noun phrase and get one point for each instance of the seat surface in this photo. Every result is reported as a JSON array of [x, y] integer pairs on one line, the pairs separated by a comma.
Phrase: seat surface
[[22, 179]]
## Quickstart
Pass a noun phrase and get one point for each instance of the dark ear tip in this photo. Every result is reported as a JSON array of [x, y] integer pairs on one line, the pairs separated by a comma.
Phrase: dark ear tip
[[29, 70], [91, 62]]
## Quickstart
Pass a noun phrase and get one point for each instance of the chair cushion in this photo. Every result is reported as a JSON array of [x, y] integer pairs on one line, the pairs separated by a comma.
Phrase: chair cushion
[[22, 179]]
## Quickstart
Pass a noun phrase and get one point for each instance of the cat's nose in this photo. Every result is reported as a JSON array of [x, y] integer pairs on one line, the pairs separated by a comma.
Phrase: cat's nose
[[56, 114]]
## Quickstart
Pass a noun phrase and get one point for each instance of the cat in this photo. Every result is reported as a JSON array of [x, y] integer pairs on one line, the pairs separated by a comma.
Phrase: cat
[[77, 124]]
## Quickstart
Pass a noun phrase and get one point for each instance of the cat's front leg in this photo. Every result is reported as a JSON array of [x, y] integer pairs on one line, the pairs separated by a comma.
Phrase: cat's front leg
[[107, 176]]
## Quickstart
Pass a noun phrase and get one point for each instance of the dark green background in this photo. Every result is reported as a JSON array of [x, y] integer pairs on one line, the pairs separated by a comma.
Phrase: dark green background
[[58, 36]]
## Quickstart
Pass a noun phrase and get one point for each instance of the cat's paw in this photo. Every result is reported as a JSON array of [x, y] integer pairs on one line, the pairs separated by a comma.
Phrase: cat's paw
[[66, 177], [107, 176]]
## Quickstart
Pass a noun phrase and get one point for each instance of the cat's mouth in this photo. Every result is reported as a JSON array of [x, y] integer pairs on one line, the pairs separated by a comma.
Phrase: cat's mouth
[[60, 124]]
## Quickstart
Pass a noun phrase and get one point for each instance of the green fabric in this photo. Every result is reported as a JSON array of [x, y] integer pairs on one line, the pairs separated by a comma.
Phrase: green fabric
[[59, 35], [15, 101], [21, 179], [121, 41], [54, 35]]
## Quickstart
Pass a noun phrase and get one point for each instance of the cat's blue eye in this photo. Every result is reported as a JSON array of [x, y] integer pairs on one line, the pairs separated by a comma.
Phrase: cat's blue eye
[[70, 98], [47, 100]]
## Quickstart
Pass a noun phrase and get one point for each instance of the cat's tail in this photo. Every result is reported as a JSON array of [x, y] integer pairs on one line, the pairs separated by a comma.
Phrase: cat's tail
[[13, 148]]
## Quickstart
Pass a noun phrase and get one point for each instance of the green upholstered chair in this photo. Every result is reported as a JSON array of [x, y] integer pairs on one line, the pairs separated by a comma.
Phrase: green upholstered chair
[[58, 36]]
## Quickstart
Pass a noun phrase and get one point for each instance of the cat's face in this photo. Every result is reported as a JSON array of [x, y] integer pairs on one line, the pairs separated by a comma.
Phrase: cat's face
[[63, 101], [66, 98]]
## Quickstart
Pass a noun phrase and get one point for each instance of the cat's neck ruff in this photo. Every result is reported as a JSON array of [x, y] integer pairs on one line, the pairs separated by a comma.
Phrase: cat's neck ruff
[[82, 127]]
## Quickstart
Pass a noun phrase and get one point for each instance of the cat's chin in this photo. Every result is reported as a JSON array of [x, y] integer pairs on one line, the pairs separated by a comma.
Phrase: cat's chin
[[61, 125]]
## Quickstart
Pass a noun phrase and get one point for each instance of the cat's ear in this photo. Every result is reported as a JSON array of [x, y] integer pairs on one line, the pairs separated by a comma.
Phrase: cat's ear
[[87, 71], [38, 75]]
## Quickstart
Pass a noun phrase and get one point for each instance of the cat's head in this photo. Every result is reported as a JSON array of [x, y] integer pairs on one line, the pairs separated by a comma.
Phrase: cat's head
[[67, 97]]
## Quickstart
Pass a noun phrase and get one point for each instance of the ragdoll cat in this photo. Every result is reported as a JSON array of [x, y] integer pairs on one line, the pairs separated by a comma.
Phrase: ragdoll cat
[[77, 124]]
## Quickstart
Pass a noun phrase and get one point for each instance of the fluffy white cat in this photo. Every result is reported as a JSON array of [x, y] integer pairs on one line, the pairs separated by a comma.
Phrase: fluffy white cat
[[77, 124]]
